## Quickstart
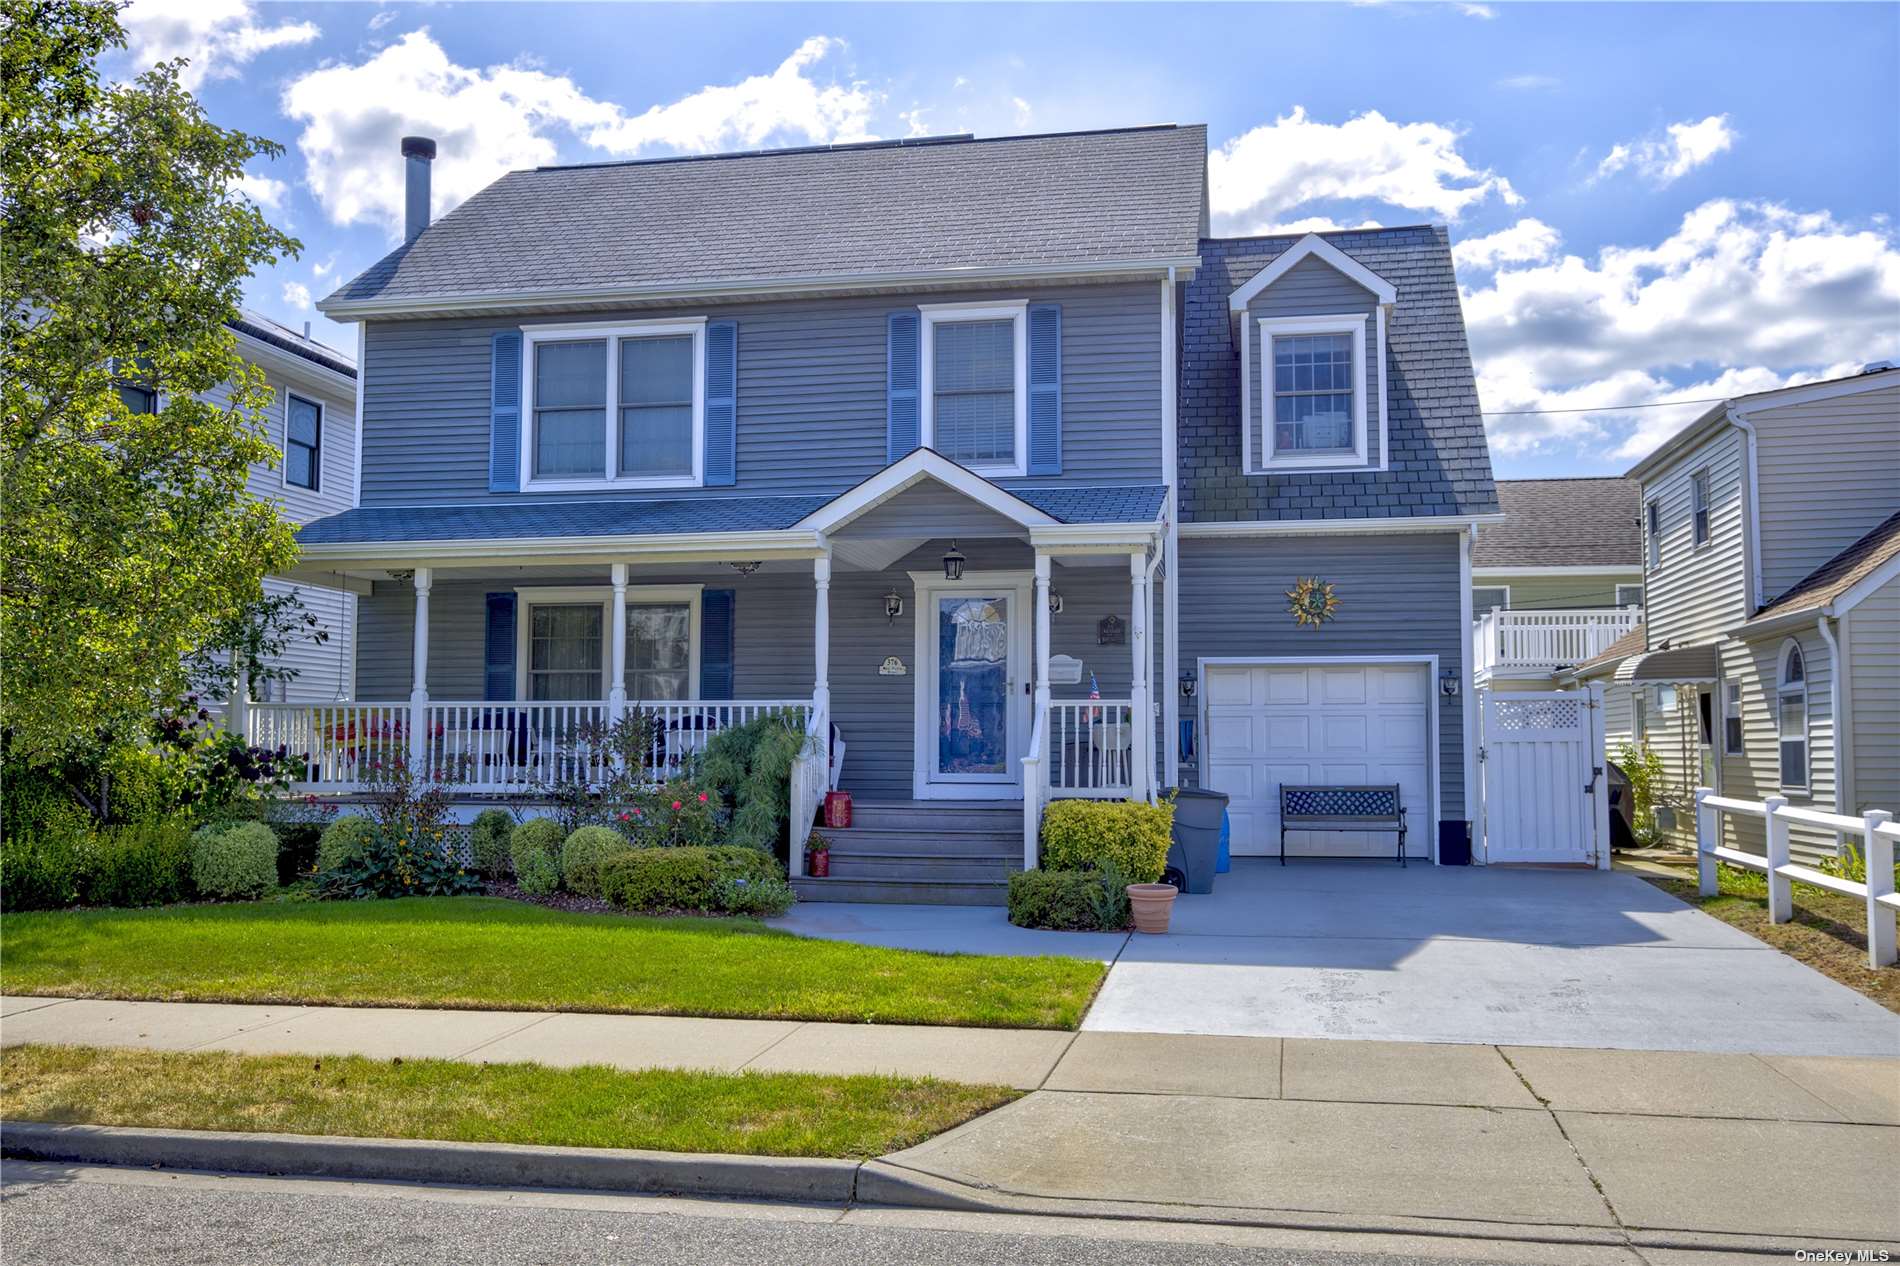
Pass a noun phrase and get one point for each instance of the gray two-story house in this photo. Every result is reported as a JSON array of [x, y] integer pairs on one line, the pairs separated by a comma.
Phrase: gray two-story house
[[980, 458]]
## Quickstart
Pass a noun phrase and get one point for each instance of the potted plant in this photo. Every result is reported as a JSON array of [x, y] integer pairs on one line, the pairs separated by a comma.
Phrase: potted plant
[[1152, 905], [817, 856]]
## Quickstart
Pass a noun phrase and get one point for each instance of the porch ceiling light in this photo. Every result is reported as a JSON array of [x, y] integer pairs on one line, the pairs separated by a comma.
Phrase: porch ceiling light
[[953, 563], [746, 569], [1055, 603], [893, 606]]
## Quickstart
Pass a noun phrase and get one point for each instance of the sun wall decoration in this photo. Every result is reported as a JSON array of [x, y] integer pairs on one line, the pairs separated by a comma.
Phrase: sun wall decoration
[[1312, 601]]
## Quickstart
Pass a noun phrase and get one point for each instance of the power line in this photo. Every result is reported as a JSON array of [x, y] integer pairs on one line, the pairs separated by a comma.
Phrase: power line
[[1606, 408]]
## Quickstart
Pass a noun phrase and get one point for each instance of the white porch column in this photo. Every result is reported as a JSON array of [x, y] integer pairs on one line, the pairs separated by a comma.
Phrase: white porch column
[[237, 712], [1142, 776], [1042, 638], [821, 635], [419, 684], [617, 690]]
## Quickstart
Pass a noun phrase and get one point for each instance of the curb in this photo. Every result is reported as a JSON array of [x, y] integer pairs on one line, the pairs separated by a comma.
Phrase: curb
[[808, 1180]]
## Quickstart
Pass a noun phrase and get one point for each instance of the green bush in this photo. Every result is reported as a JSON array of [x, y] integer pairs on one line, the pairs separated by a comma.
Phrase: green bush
[[234, 862], [41, 870], [488, 839], [1085, 834], [343, 840], [535, 849], [679, 814], [583, 854], [399, 860], [1070, 900], [144, 864], [749, 767], [714, 880]]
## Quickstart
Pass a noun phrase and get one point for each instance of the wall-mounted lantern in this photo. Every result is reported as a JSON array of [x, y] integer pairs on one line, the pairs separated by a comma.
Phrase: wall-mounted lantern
[[1187, 683], [893, 606], [953, 563], [1448, 683]]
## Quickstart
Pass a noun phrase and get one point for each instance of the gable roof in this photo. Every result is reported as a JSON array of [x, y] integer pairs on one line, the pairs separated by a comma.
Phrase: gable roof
[[1311, 246], [1838, 577], [1564, 523], [940, 205], [1437, 462]]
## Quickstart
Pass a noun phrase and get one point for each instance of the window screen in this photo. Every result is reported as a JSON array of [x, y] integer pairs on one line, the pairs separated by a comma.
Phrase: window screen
[[973, 388], [570, 409], [564, 652], [656, 406]]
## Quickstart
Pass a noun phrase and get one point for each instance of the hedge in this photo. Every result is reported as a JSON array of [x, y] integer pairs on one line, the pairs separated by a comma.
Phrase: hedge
[[1086, 834], [723, 880], [1069, 900]]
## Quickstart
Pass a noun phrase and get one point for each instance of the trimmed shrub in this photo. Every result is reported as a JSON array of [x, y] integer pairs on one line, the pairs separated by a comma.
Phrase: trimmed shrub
[[41, 871], [1086, 834], [535, 849], [716, 880], [144, 864], [488, 838], [584, 852], [1070, 900], [234, 862], [343, 841]]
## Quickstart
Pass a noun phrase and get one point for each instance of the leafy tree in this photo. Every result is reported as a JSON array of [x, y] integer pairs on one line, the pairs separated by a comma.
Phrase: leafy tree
[[127, 541]]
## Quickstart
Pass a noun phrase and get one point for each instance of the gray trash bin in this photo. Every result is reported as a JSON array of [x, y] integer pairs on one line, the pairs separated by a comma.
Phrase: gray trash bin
[[1196, 847]]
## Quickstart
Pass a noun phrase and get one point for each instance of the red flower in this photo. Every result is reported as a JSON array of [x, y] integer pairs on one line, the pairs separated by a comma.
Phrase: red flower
[[624, 818], [676, 804], [702, 797]]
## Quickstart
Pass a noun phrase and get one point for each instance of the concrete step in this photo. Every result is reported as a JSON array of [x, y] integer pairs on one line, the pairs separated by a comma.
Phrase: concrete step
[[924, 842], [927, 892], [976, 868], [942, 815]]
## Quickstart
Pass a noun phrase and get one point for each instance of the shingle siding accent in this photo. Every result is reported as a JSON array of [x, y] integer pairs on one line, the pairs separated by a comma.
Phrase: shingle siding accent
[[1439, 464]]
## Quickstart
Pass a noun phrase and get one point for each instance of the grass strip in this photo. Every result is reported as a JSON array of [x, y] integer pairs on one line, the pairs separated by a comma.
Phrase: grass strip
[[1828, 932], [756, 1114], [488, 953]]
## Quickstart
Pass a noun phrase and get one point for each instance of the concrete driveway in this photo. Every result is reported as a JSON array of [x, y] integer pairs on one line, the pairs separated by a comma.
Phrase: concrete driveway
[[1429, 954]]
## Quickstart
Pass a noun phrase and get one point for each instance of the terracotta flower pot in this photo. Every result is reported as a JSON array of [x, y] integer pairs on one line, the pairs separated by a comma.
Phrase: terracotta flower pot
[[1153, 905]]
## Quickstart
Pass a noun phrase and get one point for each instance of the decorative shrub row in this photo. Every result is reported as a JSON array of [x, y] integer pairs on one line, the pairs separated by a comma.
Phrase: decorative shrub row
[[143, 864], [234, 863], [722, 880], [1070, 900]]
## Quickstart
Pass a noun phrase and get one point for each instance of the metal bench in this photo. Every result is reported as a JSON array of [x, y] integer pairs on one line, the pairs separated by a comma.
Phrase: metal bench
[[1341, 809]]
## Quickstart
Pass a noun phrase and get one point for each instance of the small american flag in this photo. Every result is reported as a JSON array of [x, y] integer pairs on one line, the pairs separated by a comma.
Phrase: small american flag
[[1095, 692]]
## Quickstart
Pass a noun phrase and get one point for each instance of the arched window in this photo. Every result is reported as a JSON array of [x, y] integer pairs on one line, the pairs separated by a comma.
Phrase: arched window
[[1791, 715]]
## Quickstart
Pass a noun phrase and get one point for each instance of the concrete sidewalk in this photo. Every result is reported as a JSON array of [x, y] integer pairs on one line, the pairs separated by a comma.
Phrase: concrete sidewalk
[[1586, 1146]]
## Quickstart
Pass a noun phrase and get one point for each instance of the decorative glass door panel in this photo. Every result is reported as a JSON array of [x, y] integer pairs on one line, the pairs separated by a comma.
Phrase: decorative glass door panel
[[973, 688]]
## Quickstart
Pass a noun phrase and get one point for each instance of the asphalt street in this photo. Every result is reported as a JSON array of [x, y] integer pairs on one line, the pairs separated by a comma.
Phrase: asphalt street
[[80, 1216]]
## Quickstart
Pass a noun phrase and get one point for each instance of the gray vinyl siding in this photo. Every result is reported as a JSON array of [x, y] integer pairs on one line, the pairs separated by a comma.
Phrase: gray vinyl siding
[[1756, 773], [1826, 476], [1698, 592], [811, 402], [1314, 288], [1560, 593], [322, 668], [1872, 630], [1398, 595], [772, 641]]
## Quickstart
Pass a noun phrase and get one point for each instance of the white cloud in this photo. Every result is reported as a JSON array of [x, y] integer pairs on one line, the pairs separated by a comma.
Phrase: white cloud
[[1257, 177], [381, 18], [1315, 224], [493, 120], [297, 295], [1527, 241], [218, 36], [1484, 11], [1529, 83], [1022, 110], [1668, 158], [265, 191], [1741, 297]]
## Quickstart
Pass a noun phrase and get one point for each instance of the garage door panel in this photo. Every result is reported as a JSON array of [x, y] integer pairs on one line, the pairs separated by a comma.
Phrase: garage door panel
[[1231, 686], [1342, 685], [1343, 732], [1288, 733], [1400, 732], [1233, 734], [1286, 685], [1399, 685]]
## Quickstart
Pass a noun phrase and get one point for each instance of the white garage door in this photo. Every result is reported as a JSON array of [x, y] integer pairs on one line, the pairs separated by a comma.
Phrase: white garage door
[[1321, 723]]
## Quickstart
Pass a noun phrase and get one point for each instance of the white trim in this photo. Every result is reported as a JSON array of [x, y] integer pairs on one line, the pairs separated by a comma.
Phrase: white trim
[[529, 596], [1312, 245], [612, 333], [1806, 786], [1329, 459], [315, 487], [926, 784], [1479, 584], [1171, 543], [674, 547], [1385, 438], [479, 300], [913, 468], [1468, 705], [1809, 393], [288, 364], [1430, 664], [934, 314], [1652, 536], [1559, 573], [362, 372], [1840, 724], [1328, 527], [1702, 503]]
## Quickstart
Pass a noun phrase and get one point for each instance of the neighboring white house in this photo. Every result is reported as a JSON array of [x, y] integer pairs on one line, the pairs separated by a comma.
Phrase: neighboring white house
[[1768, 662]]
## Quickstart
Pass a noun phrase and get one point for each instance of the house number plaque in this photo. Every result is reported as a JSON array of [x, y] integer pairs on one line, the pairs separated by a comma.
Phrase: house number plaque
[[892, 667]]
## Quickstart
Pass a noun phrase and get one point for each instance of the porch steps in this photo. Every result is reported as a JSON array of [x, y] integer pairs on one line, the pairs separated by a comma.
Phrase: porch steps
[[922, 853]]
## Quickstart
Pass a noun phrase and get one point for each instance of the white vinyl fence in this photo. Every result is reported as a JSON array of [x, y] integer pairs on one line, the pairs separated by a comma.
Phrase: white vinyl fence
[[1877, 833]]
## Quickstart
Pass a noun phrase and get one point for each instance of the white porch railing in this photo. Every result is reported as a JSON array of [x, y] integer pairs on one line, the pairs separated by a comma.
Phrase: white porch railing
[[811, 778], [492, 747], [1035, 788], [1878, 834], [1503, 639], [1091, 749]]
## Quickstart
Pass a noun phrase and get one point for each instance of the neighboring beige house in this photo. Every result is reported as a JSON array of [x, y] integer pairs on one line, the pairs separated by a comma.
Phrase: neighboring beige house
[[1558, 581], [1768, 662]]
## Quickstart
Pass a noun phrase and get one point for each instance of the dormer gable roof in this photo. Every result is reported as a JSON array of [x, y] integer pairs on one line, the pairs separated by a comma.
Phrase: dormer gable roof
[[1313, 246]]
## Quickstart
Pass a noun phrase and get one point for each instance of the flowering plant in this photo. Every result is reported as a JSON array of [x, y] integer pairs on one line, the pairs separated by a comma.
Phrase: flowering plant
[[675, 814]]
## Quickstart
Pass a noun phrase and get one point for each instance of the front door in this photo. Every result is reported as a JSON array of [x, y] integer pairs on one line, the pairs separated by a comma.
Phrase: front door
[[969, 689]]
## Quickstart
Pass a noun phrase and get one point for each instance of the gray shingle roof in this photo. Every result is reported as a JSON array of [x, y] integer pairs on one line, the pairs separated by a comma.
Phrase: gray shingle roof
[[517, 521], [1438, 464], [887, 207], [280, 336], [1564, 523]]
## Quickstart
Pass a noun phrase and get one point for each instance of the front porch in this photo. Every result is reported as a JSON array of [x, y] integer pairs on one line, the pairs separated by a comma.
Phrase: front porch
[[934, 637]]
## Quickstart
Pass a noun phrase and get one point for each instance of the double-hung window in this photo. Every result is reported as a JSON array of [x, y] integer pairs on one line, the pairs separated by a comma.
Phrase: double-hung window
[[565, 642], [1652, 533], [132, 379], [659, 650], [975, 385], [1312, 391], [619, 406], [1629, 595], [1732, 717], [1791, 715], [564, 650], [1486, 598], [303, 441], [1699, 506]]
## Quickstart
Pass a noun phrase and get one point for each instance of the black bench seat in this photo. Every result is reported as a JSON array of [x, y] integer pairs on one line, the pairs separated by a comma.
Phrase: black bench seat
[[1363, 808]]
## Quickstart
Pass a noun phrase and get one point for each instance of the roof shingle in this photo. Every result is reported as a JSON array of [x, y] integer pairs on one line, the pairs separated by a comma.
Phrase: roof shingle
[[1564, 523]]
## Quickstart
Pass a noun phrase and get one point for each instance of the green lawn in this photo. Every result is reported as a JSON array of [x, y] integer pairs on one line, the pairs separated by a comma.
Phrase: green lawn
[[486, 952], [762, 1114]]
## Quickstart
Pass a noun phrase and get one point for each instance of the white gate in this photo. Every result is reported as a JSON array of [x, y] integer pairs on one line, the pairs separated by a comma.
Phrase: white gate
[[1544, 795]]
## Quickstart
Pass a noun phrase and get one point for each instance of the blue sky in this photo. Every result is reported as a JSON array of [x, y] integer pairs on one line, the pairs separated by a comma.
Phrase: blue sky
[[1648, 202]]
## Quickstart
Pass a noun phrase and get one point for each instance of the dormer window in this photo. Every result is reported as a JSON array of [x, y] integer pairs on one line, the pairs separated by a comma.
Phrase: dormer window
[[1314, 399]]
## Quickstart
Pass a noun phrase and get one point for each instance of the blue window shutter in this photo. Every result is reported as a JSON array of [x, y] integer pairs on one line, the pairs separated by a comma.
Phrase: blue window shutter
[[1045, 390], [722, 398], [504, 414], [498, 648], [903, 431], [715, 643]]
